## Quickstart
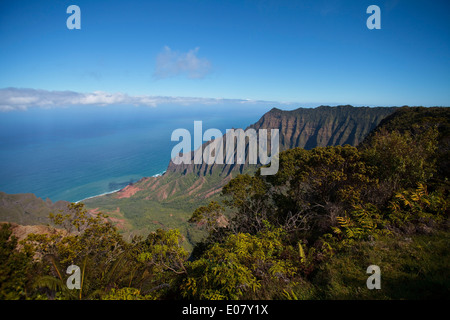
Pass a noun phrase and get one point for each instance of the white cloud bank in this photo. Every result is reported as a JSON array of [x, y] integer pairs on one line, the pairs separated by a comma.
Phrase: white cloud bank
[[22, 99], [171, 63]]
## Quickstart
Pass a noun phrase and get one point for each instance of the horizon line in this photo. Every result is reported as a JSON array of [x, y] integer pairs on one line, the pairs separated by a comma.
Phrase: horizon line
[[22, 99]]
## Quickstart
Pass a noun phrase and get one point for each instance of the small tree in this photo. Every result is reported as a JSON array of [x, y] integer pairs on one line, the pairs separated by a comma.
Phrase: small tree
[[242, 266], [402, 160], [87, 240], [246, 196], [210, 217]]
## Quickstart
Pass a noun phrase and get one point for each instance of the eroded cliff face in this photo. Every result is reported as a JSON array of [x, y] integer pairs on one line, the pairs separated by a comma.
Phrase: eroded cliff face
[[305, 128]]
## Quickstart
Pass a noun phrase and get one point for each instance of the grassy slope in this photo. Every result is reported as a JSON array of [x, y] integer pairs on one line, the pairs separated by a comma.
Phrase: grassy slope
[[143, 217], [27, 209], [144, 212]]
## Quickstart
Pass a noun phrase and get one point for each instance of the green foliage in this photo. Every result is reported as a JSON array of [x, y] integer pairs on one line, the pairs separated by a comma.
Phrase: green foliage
[[211, 216], [411, 268], [56, 286], [126, 294], [418, 207], [313, 188], [15, 265], [243, 266], [403, 160], [85, 240], [107, 262], [361, 223], [247, 197], [82, 235], [164, 252]]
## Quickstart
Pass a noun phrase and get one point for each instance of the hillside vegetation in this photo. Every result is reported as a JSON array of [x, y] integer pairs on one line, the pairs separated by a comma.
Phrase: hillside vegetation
[[308, 232], [27, 209]]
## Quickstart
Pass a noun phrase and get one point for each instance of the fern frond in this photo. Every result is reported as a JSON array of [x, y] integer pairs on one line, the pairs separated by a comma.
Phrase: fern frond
[[55, 285], [301, 253]]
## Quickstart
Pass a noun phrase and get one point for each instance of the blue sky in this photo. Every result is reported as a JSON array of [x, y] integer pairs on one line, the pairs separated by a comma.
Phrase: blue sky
[[307, 52]]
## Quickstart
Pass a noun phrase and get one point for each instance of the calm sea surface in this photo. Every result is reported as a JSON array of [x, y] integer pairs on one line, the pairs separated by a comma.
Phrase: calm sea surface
[[79, 152]]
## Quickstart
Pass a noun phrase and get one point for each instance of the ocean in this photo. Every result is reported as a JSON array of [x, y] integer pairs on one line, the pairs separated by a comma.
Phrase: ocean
[[82, 151]]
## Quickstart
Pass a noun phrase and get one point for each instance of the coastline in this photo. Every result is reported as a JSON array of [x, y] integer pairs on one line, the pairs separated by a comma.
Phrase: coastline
[[159, 174], [110, 192], [98, 195]]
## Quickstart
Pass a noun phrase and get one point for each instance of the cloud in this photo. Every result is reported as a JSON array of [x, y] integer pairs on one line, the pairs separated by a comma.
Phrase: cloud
[[171, 63], [25, 98], [22, 99]]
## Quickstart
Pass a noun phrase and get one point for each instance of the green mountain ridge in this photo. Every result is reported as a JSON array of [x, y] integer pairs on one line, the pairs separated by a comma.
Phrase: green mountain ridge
[[305, 128]]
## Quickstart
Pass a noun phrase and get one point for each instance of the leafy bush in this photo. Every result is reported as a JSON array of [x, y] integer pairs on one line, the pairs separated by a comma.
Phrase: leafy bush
[[242, 267], [418, 208], [15, 266]]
